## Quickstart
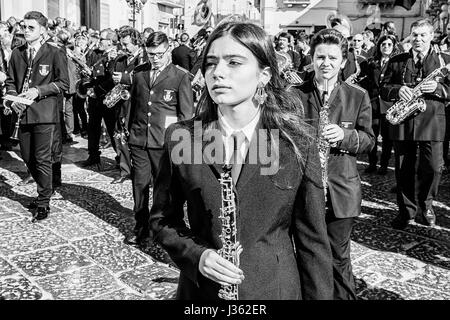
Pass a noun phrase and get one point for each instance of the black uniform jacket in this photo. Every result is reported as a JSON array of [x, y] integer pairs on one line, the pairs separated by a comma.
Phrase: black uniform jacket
[[49, 75], [271, 211], [152, 108], [430, 124], [350, 108], [181, 56]]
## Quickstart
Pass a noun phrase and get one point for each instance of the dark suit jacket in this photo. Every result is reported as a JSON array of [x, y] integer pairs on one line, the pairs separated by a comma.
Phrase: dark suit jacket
[[375, 75], [430, 124], [181, 56], [350, 108], [272, 210], [49, 75], [152, 108]]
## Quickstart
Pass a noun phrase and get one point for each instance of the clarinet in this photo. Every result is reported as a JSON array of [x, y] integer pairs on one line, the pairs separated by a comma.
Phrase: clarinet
[[324, 145], [231, 249], [25, 88]]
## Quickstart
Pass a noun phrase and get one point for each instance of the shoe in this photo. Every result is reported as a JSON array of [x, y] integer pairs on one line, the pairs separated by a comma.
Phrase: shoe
[[32, 205], [382, 171], [90, 162], [400, 223], [28, 179], [135, 240], [120, 179], [370, 169], [41, 214], [427, 218]]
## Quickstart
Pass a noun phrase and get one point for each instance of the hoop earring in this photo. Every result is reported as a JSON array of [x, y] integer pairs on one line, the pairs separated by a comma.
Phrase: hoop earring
[[260, 94]]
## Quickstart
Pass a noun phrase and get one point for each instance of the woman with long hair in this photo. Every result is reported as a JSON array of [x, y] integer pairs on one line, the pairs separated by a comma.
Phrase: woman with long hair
[[279, 232], [385, 49]]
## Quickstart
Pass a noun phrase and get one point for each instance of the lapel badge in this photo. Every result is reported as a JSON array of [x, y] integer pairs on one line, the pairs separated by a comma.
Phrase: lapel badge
[[168, 95], [346, 124], [44, 69]]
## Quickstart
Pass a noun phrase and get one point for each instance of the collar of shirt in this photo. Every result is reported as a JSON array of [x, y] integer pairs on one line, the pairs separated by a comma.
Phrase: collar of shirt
[[36, 46], [415, 55], [227, 131]]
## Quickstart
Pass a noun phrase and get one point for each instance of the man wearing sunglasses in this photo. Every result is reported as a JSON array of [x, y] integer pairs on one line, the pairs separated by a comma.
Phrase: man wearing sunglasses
[[161, 94], [37, 72]]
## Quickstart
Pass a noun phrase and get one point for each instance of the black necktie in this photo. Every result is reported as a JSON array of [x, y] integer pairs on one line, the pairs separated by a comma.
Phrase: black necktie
[[31, 56], [237, 159], [419, 65]]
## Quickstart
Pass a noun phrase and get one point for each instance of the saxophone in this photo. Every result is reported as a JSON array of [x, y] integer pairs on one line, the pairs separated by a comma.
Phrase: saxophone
[[324, 145], [403, 109], [231, 249], [120, 91]]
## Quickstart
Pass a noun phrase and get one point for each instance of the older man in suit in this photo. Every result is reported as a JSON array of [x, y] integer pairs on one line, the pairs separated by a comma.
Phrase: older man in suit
[[418, 176], [161, 94], [38, 72]]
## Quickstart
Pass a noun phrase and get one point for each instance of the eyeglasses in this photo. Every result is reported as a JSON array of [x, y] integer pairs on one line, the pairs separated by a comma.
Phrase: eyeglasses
[[357, 40], [153, 55], [31, 28]]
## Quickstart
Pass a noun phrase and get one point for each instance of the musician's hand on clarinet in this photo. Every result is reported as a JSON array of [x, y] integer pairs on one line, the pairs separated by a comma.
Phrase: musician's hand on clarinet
[[18, 107], [117, 76], [428, 86], [218, 269], [333, 133], [31, 94], [7, 111], [405, 93]]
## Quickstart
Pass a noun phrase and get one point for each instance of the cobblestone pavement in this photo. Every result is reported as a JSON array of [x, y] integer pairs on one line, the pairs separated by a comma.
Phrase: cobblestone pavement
[[78, 253]]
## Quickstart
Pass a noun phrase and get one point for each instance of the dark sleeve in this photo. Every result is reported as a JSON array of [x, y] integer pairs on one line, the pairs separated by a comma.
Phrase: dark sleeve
[[361, 139], [167, 216], [10, 82], [185, 99], [310, 235], [61, 82], [295, 60], [443, 89]]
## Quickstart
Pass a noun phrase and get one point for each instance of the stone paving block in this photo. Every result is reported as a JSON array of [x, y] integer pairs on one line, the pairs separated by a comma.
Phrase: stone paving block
[[106, 227], [28, 241], [383, 238], [6, 269], [120, 295], [155, 281], [433, 277], [80, 284], [18, 287], [435, 253], [357, 251], [46, 262], [16, 207], [5, 214], [70, 227], [110, 253], [9, 227], [390, 265], [404, 291]]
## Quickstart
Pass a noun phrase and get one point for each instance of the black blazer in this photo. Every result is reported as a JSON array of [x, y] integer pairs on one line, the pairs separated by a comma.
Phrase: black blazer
[[350, 108], [152, 108], [49, 75], [430, 124], [273, 210], [181, 56]]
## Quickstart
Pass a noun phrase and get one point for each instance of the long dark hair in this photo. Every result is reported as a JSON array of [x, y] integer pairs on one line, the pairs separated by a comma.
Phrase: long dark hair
[[281, 110], [377, 56]]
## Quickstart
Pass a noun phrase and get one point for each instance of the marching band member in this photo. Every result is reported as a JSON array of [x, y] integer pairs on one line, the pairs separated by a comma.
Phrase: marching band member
[[244, 101], [161, 94], [37, 71], [418, 176], [346, 126]]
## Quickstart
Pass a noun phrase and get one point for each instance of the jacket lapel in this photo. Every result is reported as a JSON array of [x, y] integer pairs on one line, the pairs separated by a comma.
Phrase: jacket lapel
[[40, 53]]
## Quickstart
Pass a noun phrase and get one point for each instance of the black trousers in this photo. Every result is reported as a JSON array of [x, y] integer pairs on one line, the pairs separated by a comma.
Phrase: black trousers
[[339, 231], [144, 170], [418, 170], [380, 126], [79, 114], [36, 142], [98, 111]]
